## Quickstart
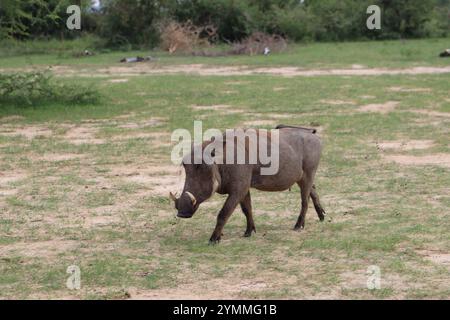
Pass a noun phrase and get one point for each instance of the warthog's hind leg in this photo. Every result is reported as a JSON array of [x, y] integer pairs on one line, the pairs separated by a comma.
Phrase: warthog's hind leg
[[305, 190], [246, 206], [317, 205]]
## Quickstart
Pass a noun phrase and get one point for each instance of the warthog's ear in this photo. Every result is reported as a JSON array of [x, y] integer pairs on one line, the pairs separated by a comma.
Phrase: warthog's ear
[[218, 152], [213, 151]]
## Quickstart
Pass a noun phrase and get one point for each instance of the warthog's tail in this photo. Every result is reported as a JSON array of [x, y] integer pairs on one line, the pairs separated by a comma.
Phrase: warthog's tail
[[282, 126]]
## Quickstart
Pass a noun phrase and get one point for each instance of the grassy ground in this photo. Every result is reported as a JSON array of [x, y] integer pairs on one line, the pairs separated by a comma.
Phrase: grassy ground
[[309, 55], [88, 185]]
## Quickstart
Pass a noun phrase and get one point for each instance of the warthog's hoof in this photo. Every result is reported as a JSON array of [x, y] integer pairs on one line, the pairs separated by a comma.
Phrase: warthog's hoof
[[321, 216], [299, 227], [214, 240], [320, 213], [248, 232]]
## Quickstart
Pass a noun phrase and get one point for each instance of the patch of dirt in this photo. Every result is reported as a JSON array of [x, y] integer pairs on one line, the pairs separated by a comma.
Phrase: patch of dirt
[[59, 157], [270, 115], [212, 107], [290, 71], [7, 177], [29, 132], [437, 257], [154, 122], [405, 145], [402, 89], [358, 66], [11, 118], [260, 123], [442, 159], [161, 179], [118, 80], [432, 113], [162, 185], [207, 70], [233, 288], [50, 248], [379, 107], [337, 102], [83, 135], [163, 138], [367, 97], [358, 280], [14, 145], [8, 192], [55, 295], [127, 115], [99, 221], [237, 83], [279, 89], [221, 108]]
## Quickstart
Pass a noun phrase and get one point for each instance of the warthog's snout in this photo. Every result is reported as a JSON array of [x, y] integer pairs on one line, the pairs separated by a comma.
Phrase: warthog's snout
[[184, 214], [186, 204]]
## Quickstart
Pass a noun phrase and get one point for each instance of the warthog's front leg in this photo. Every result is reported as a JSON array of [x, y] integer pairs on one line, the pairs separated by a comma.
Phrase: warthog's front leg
[[226, 211], [246, 206]]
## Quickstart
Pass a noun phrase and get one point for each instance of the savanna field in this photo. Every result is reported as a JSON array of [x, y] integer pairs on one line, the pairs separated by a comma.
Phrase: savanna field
[[88, 185]]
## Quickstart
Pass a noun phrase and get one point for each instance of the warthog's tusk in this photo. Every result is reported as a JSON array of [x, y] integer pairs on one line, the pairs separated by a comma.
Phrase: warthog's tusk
[[194, 201], [172, 196]]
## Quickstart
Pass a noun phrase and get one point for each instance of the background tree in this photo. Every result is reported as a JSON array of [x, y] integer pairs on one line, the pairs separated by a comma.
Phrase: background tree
[[137, 22], [131, 22]]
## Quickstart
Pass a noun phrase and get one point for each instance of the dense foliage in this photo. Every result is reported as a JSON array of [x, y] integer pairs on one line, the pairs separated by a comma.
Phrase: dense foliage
[[37, 88], [136, 22]]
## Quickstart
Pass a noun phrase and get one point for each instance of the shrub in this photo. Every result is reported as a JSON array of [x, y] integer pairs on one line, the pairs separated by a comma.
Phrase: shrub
[[294, 24], [130, 23], [33, 88], [25, 19], [234, 19], [257, 42], [184, 37], [405, 18]]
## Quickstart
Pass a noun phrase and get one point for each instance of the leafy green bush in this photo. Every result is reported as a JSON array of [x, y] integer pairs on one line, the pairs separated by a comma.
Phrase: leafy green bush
[[29, 19], [405, 18], [125, 24], [35, 88]]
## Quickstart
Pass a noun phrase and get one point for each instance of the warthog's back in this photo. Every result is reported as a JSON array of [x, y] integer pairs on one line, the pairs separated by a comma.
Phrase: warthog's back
[[299, 151]]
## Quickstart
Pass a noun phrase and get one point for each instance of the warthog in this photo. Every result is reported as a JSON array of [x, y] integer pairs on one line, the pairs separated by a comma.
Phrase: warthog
[[299, 155]]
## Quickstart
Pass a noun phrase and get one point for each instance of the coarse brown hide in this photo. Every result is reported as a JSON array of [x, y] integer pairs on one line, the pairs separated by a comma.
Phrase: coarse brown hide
[[299, 155]]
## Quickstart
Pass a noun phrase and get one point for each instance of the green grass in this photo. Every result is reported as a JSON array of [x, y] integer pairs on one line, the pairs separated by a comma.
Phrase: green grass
[[105, 209], [397, 53]]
